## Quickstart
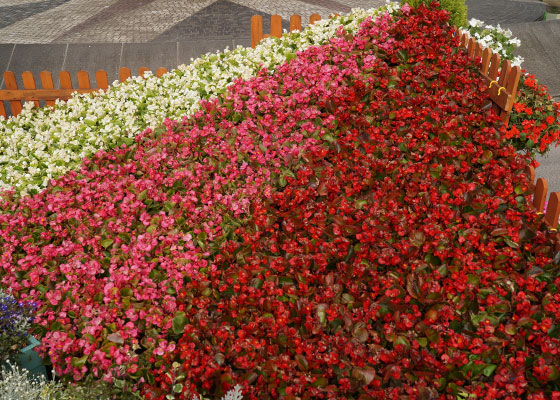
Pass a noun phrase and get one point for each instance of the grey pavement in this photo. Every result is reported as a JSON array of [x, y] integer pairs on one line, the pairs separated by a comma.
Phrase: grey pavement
[[71, 35]]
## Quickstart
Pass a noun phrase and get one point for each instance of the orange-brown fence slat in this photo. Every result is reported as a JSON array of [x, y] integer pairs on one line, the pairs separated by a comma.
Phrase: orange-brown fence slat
[[470, 48], [464, 40], [65, 80], [511, 86], [11, 83], [142, 71], [530, 171], [495, 90], [314, 18], [161, 71], [101, 79], [124, 74], [47, 83], [276, 25], [29, 83], [539, 195], [3, 109], [494, 66], [83, 80], [486, 55], [295, 23], [256, 30], [477, 50], [553, 210]]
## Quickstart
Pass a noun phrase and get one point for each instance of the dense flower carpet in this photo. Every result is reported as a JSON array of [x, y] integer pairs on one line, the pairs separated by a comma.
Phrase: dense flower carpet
[[348, 221]]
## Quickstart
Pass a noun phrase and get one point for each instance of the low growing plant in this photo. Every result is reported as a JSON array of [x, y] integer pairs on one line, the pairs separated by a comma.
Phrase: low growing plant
[[535, 119], [17, 384], [15, 322]]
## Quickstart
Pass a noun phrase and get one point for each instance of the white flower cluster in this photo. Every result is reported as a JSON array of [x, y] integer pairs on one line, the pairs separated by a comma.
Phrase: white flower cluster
[[42, 144], [497, 39], [17, 384]]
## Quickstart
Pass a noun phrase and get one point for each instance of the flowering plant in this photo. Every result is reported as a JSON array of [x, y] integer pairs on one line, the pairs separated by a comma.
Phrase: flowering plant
[[535, 122], [15, 322]]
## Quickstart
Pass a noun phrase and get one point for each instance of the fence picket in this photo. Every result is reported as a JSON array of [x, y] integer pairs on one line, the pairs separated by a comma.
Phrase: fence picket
[[142, 71], [11, 84], [470, 47], [486, 55], [65, 80], [511, 87], [295, 23], [161, 71], [47, 83], [124, 74], [553, 210], [101, 79], [314, 18], [539, 195], [494, 66], [83, 80], [256, 30], [29, 83], [477, 50], [276, 26]]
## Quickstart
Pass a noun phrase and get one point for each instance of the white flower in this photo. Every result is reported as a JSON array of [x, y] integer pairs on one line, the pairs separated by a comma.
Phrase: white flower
[[475, 23]]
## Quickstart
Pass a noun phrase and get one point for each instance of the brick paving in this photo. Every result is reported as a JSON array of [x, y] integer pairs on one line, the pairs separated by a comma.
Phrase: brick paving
[[141, 21]]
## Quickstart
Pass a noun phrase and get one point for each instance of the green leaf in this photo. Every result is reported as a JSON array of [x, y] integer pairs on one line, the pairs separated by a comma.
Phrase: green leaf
[[489, 370], [106, 243], [179, 322], [178, 388], [79, 362]]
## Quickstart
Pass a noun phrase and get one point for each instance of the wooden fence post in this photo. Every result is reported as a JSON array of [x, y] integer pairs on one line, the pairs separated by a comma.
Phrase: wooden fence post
[[29, 83], [276, 26], [11, 84], [295, 23], [124, 74], [47, 83], [553, 210], [256, 30], [314, 18], [101, 79]]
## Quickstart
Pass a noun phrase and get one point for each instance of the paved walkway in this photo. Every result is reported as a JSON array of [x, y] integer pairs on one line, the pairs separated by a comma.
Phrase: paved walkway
[[71, 35]]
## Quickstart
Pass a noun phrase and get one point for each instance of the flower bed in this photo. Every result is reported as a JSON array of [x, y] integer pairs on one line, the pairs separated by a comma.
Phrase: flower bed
[[348, 225], [401, 261], [40, 145]]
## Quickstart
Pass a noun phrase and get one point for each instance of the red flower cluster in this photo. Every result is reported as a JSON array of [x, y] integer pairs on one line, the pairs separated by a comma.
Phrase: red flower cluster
[[535, 119], [400, 261]]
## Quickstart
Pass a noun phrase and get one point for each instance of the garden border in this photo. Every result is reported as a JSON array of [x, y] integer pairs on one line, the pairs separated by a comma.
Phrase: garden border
[[16, 96]]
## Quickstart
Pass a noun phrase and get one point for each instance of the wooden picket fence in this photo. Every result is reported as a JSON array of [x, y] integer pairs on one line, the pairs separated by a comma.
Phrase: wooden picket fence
[[16, 96], [276, 26], [539, 190], [502, 85]]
